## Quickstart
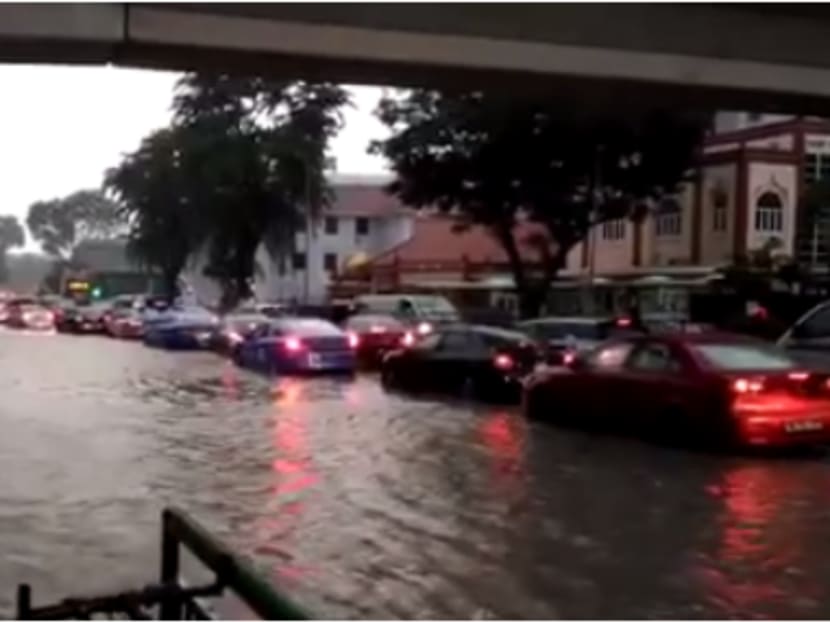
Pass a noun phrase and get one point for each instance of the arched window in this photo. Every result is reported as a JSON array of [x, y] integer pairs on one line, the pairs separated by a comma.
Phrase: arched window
[[668, 220], [769, 212]]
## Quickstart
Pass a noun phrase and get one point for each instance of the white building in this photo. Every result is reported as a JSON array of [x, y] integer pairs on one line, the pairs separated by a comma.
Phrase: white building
[[362, 221]]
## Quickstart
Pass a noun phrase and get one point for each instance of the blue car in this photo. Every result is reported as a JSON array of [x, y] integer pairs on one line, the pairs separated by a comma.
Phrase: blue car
[[191, 329], [298, 346]]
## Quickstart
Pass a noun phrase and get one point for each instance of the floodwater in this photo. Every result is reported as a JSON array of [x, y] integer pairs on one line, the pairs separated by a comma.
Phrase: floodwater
[[363, 504]]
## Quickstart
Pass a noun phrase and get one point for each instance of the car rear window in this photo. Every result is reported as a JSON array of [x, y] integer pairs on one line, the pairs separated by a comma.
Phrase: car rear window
[[363, 322], [309, 328], [577, 330], [738, 357]]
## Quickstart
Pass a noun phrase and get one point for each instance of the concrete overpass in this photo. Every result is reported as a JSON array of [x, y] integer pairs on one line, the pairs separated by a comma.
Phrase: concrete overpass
[[764, 57]]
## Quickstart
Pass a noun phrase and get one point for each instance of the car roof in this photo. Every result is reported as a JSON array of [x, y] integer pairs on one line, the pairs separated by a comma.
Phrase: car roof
[[483, 329], [709, 337], [566, 320]]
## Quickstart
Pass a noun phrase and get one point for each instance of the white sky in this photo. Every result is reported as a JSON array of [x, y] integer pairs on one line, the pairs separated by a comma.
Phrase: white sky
[[62, 127]]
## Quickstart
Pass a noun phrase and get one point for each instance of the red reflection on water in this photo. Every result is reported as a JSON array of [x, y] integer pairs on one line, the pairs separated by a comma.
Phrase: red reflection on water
[[503, 435], [760, 543], [294, 475], [230, 382]]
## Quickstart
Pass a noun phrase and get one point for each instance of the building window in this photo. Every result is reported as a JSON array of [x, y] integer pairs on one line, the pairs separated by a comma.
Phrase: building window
[[298, 261], [331, 225], [816, 166], [362, 226], [613, 229], [769, 213], [330, 262], [720, 200], [669, 218]]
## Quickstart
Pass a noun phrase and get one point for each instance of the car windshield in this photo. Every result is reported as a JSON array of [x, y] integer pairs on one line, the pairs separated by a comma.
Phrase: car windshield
[[740, 357], [435, 306], [310, 328], [578, 330]]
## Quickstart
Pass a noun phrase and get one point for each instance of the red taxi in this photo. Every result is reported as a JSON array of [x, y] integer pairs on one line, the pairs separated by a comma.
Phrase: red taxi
[[711, 388]]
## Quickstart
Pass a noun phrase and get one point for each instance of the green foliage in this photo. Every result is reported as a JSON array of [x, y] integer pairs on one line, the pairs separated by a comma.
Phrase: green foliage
[[11, 236], [492, 159], [241, 162], [59, 225]]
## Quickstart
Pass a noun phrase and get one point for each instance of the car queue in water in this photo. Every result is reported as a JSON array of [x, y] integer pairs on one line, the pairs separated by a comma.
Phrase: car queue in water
[[689, 383]]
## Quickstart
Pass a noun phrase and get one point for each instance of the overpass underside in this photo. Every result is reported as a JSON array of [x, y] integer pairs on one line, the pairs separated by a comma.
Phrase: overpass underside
[[765, 58]]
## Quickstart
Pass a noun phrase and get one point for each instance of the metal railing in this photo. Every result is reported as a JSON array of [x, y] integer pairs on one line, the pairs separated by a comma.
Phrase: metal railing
[[173, 600]]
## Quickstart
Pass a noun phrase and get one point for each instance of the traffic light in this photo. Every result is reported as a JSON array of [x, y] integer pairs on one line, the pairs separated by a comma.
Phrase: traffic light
[[97, 292]]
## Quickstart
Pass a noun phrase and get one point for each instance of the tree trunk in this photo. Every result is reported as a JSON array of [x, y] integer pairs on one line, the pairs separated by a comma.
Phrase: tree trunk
[[170, 283]]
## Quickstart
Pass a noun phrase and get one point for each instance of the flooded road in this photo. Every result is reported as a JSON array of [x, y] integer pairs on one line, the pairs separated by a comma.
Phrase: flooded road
[[363, 504]]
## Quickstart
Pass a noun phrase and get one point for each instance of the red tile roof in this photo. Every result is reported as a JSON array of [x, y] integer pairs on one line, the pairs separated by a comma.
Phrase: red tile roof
[[435, 240], [363, 199]]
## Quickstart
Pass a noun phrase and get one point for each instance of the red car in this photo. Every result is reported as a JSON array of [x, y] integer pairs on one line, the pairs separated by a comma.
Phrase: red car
[[123, 324], [375, 335], [710, 388], [23, 314]]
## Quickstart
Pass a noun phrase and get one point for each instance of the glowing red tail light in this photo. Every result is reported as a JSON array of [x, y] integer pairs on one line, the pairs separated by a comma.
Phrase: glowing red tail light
[[623, 322], [568, 358], [354, 340], [407, 340], [745, 385], [293, 344], [377, 329], [504, 362]]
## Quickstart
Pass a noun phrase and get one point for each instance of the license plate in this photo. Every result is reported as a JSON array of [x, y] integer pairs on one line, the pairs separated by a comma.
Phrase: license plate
[[202, 338], [314, 361], [803, 426]]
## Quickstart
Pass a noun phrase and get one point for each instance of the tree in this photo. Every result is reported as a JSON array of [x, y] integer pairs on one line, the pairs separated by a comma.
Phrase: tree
[[165, 226], [564, 167], [259, 154], [242, 160], [59, 225], [11, 236]]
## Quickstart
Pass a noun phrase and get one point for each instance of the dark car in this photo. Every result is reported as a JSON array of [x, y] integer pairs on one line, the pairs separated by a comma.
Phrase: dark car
[[476, 361], [377, 335], [298, 345], [235, 328], [180, 329], [708, 388], [562, 338], [83, 319]]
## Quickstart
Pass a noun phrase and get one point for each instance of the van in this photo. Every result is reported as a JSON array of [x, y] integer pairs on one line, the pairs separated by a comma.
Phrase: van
[[410, 308]]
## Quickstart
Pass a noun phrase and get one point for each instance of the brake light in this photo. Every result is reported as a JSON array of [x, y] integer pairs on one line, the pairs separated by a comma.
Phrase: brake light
[[623, 322], [504, 362], [293, 344], [568, 358], [798, 376], [424, 328], [377, 329], [354, 340], [407, 340], [744, 385]]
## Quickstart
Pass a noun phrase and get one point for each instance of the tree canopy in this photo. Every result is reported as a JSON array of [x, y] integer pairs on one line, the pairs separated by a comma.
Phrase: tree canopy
[[242, 161], [494, 159], [11, 236], [59, 225]]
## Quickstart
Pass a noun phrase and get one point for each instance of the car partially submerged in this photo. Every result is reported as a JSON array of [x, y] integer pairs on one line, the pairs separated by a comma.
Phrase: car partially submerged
[[710, 388]]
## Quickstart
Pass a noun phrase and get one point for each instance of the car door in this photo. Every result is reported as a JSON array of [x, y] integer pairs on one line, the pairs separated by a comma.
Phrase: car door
[[414, 366], [661, 388], [589, 393], [459, 361]]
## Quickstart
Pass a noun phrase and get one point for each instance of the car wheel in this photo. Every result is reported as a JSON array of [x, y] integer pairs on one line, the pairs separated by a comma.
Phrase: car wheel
[[387, 377]]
